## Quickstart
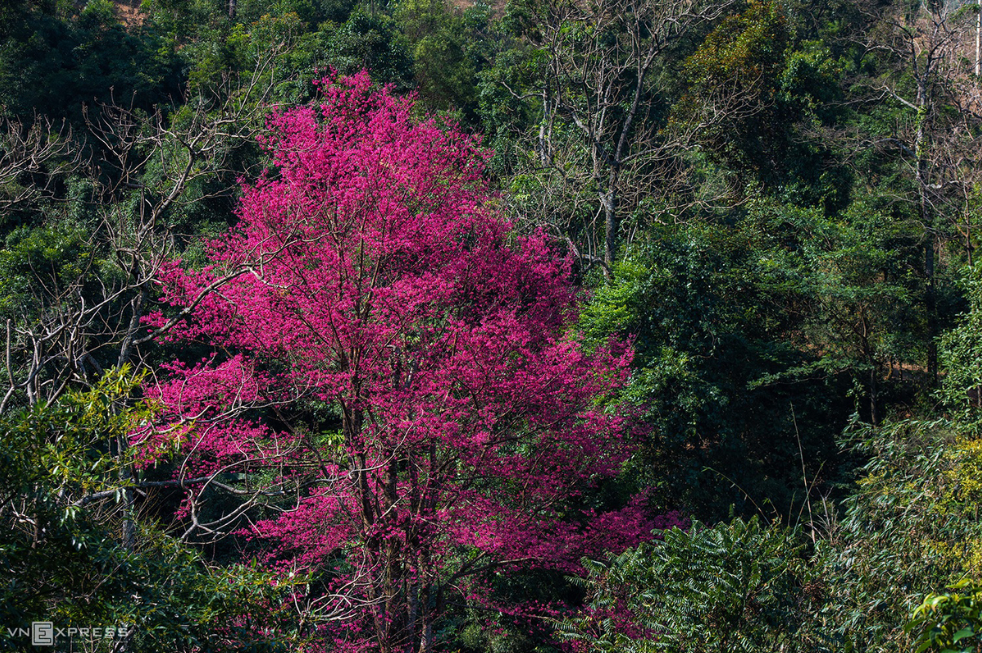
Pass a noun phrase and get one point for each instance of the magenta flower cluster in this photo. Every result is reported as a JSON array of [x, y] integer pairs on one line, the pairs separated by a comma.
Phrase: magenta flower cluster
[[371, 274]]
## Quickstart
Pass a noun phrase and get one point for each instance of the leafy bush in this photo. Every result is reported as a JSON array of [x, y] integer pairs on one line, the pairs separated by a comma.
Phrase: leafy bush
[[909, 528], [64, 555], [736, 586], [949, 622]]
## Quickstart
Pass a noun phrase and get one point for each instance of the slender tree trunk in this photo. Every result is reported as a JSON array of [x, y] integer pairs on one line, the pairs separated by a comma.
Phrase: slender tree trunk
[[428, 638], [968, 239], [932, 320], [413, 616], [978, 38], [612, 223], [611, 226], [874, 413], [924, 209], [126, 348], [545, 131], [129, 525]]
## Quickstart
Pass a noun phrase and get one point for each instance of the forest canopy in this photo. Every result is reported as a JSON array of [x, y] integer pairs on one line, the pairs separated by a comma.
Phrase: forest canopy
[[540, 325]]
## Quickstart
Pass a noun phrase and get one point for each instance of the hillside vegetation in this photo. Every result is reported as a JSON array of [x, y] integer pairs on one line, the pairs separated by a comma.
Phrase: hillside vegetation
[[546, 325]]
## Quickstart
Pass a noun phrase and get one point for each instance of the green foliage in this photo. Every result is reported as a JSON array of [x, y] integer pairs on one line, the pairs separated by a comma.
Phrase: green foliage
[[65, 447], [745, 54], [63, 509], [852, 280], [950, 622], [369, 40], [753, 91], [49, 260], [725, 389], [909, 527], [737, 586], [446, 48], [504, 117], [52, 63], [961, 351]]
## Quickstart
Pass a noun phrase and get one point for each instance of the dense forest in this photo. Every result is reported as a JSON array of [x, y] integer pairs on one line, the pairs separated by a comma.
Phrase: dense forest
[[545, 325]]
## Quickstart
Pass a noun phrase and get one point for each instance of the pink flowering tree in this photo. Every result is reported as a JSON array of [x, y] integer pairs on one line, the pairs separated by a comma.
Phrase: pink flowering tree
[[395, 387]]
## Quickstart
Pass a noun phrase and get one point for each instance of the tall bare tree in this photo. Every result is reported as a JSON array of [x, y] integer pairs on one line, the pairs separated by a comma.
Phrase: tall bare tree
[[598, 136], [929, 47], [77, 289], [71, 321]]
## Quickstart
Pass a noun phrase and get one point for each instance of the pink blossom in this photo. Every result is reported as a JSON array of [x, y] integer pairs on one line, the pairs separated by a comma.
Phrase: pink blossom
[[370, 273]]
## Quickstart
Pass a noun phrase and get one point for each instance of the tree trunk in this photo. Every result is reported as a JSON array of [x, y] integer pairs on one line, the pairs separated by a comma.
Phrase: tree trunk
[[874, 413], [611, 226], [978, 38], [930, 304], [612, 223], [924, 209]]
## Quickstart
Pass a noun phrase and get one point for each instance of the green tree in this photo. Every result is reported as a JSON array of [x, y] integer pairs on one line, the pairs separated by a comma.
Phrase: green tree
[[727, 389], [961, 352], [446, 45], [773, 90], [599, 144], [63, 510], [919, 120], [369, 40], [52, 62], [848, 279]]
